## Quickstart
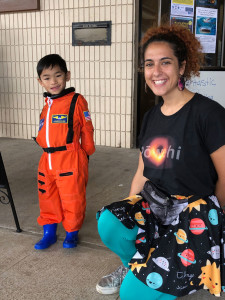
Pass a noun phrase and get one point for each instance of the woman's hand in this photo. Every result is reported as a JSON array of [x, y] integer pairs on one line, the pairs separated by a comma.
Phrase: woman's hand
[[218, 158], [139, 179]]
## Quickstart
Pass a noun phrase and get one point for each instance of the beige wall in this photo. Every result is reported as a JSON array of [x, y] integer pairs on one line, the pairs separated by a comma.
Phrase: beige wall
[[103, 74]]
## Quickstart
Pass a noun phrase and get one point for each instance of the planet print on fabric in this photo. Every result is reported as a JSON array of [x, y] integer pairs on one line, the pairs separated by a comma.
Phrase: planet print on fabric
[[187, 257], [181, 236], [141, 240], [213, 217], [215, 252], [197, 226], [154, 280], [139, 218], [146, 207], [161, 262]]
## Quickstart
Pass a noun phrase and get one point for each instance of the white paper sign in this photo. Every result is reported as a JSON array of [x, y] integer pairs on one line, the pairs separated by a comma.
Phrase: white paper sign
[[206, 28], [182, 8], [209, 84]]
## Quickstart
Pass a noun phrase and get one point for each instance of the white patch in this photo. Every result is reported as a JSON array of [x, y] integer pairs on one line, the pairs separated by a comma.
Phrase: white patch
[[140, 230], [137, 255], [176, 221], [192, 292], [214, 200]]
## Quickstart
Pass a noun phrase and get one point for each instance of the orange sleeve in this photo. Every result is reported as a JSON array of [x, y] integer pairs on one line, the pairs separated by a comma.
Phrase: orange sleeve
[[87, 129]]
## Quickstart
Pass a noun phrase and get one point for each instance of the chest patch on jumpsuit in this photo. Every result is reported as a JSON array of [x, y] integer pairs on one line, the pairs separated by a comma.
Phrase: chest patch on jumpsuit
[[59, 119]]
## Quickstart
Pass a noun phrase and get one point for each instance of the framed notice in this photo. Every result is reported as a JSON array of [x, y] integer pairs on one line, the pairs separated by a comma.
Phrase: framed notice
[[91, 33], [19, 5]]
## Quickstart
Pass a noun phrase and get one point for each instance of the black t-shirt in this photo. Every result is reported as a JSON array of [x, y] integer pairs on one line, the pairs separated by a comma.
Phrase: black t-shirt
[[176, 149]]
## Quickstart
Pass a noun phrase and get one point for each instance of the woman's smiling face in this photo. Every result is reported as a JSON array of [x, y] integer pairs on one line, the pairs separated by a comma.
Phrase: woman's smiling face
[[161, 69]]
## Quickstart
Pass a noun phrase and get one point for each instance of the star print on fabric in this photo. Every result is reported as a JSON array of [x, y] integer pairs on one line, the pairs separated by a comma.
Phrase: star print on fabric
[[137, 266], [133, 199], [196, 205], [150, 253]]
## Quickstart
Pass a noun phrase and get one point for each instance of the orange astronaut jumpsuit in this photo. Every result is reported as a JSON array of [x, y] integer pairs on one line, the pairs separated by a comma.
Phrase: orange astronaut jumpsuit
[[63, 167]]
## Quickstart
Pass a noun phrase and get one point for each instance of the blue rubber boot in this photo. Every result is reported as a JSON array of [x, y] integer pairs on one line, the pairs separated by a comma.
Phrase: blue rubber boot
[[49, 237], [71, 239]]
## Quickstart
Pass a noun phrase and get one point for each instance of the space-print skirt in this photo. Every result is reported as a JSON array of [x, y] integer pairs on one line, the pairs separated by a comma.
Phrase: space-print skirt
[[180, 258]]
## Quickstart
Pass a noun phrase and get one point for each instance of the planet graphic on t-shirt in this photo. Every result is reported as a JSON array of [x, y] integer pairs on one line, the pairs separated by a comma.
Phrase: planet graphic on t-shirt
[[197, 226], [187, 257], [181, 236], [162, 262]]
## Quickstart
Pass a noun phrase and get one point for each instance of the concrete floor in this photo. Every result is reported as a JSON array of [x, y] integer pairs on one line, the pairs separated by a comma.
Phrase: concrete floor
[[57, 273]]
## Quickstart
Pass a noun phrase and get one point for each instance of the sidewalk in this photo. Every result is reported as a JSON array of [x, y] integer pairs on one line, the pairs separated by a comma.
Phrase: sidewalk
[[58, 273]]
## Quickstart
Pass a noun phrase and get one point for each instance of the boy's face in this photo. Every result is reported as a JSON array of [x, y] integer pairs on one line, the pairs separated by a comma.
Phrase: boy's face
[[54, 80]]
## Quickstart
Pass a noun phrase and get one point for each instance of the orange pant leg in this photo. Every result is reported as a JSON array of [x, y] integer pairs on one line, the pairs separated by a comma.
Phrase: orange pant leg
[[49, 199], [72, 191]]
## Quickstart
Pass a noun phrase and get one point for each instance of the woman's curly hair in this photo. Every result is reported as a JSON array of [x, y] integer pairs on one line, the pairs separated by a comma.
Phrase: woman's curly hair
[[184, 43]]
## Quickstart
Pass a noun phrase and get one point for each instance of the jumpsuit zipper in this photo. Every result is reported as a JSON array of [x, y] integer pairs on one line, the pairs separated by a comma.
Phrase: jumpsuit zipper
[[49, 101]]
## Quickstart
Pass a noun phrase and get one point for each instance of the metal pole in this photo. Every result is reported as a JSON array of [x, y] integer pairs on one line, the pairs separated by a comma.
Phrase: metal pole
[[159, 12], [159, 23]]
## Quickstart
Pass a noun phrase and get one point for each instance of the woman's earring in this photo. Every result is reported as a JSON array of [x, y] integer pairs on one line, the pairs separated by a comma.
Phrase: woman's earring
[[181, 83], [146, 88]]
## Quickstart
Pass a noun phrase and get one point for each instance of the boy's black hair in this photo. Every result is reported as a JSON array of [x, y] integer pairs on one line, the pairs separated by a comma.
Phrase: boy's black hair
[[51, 60]]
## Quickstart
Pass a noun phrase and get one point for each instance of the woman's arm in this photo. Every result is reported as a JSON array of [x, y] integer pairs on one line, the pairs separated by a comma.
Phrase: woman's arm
[[218, 158], [138, 180]]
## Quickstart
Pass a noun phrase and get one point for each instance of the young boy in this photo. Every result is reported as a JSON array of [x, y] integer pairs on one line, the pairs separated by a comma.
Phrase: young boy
[[66, 136]]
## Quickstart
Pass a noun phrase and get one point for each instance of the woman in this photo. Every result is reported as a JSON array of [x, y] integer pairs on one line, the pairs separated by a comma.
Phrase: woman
[[182, 144]]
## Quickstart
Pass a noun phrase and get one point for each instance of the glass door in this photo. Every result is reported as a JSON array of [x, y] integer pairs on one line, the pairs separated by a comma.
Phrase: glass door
[[205, 18]]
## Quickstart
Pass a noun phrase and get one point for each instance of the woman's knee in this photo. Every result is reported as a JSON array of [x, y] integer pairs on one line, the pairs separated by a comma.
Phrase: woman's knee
[[107, 226]]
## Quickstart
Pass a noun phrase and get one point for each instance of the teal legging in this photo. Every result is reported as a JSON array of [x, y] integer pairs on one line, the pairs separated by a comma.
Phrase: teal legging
[[121, 241]]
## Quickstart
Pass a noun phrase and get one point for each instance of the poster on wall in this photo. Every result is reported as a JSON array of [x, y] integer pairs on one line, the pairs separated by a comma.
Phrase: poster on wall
[[208, 3], [182, 8], [183, 21], [206, 27]]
